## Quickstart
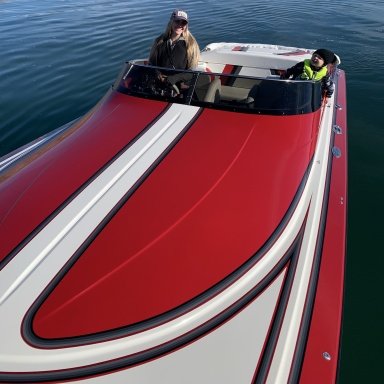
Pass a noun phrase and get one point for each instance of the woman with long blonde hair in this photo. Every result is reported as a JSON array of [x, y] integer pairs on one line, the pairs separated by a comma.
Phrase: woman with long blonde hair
[[175, 48]]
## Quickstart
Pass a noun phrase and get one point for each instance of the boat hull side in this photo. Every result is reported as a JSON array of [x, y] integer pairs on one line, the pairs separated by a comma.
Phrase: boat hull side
[[322, 352]]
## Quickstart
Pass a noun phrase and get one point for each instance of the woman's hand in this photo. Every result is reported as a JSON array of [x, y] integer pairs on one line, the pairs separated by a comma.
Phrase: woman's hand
[[162, 77]]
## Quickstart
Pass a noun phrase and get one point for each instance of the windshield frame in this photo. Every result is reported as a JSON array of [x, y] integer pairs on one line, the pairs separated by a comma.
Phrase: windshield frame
[[272, 95]]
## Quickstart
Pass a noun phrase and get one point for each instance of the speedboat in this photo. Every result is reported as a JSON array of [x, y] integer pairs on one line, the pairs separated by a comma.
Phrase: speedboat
[[190, 228]]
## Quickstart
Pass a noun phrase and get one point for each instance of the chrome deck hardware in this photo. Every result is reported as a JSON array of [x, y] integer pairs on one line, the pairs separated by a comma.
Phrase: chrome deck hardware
[[326, 356], [336, 152], [337, 129]]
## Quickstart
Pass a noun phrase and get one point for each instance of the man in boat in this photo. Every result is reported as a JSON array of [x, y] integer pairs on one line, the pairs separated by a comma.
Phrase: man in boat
[[315, 68]]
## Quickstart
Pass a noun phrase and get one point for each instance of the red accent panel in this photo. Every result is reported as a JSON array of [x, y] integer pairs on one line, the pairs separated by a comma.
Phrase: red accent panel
[[228, 69], [324, 335], [294, 53], [60, 168], [208, 207]]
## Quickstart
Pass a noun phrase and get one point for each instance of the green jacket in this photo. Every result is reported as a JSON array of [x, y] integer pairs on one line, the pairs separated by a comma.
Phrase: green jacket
[[310, 74]]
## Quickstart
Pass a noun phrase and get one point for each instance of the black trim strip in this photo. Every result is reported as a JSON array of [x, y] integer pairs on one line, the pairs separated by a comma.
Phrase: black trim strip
[[125, 331], [27, 329], [267, 357], [36, 341], [301, 346], [173, 344], [49, 218], [302, 337], [144, 356]]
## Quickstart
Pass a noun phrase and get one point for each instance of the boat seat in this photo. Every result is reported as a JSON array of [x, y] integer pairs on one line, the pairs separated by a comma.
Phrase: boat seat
[[201, 88], [213, 92]]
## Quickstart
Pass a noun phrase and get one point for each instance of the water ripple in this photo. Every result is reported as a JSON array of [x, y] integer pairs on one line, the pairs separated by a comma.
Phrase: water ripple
[[59, 57]]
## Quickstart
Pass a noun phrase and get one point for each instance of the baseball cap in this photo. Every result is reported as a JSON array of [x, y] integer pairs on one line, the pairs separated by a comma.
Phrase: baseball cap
[[178, 14]]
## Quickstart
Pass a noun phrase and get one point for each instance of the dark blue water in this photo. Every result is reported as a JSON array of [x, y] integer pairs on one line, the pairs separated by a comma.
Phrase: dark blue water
[[58, 57]]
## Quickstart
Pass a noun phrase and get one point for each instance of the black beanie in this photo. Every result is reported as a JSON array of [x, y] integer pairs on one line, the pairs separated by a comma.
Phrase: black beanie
[[326, 55]]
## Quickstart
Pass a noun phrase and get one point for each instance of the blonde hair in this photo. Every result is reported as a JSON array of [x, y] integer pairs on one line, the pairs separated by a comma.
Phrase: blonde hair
[[193, 50]]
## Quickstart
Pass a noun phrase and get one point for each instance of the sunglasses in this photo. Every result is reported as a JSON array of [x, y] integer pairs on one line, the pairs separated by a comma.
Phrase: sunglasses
[[180, 22]]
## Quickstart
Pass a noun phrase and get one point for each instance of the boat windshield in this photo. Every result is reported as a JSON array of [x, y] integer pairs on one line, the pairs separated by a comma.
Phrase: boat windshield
[[220, 91]]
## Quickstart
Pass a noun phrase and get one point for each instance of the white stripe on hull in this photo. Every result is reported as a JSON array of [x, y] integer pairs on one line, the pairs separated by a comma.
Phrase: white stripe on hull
[[25, 277], [29, 272], [284, 353], [229, 354]]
